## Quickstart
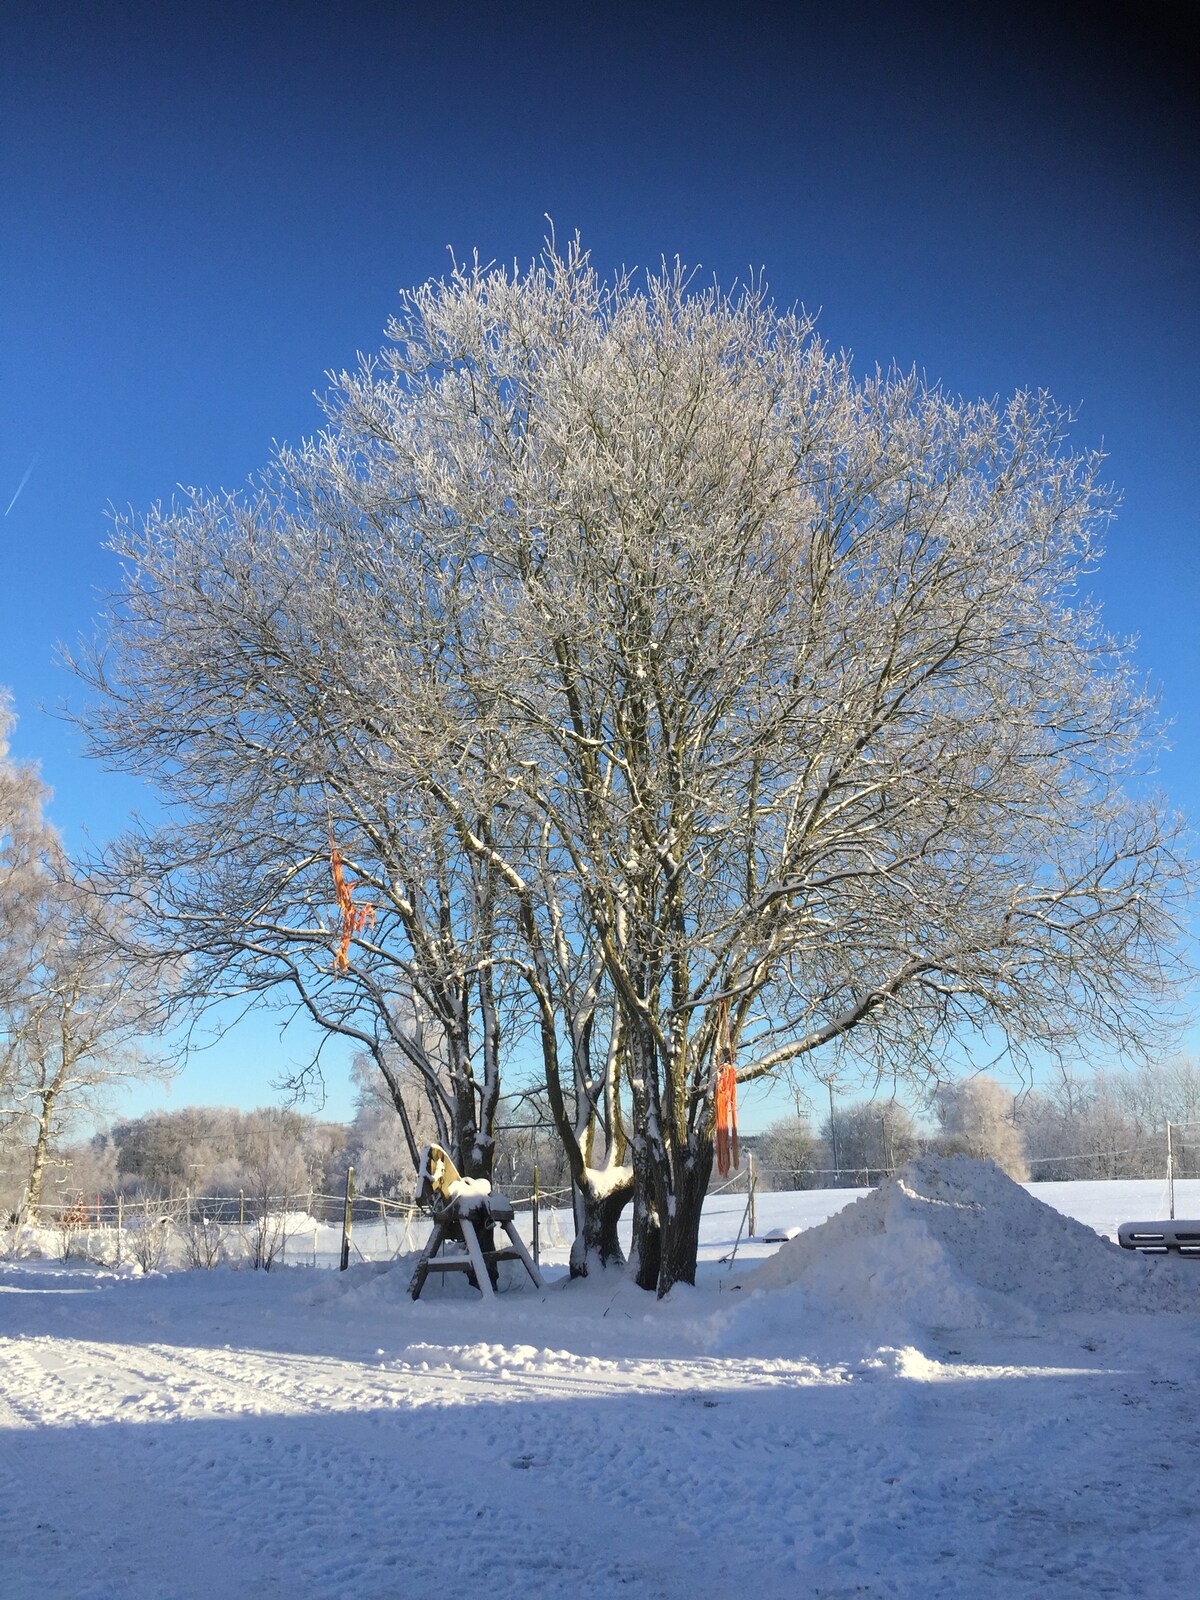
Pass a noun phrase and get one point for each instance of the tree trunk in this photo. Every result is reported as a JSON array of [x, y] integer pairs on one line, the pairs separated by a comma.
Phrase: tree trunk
[[37, 1170], [474, 1147], [596, 1244], [648, 1153], [681, 1229], [646, 1252]]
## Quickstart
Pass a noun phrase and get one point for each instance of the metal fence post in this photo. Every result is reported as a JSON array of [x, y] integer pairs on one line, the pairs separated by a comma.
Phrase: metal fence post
[[347, 1219]]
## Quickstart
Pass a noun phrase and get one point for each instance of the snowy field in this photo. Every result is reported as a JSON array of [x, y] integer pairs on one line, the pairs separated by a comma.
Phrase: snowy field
[[946, 1390]]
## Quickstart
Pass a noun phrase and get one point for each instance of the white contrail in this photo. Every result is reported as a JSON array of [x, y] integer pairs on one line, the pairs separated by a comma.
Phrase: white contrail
[[20, 486]]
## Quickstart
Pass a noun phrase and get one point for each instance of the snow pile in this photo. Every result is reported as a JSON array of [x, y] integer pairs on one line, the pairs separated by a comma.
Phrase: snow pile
[[951, 1242]]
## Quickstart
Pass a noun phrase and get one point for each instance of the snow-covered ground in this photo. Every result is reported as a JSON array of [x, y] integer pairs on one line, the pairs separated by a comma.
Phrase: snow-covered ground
[[946, 1391]]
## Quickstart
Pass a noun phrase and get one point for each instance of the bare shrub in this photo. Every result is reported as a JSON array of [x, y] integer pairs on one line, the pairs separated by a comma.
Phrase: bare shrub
[[149, 1232], [71, 1221], [203, 1239], [270, 1235]]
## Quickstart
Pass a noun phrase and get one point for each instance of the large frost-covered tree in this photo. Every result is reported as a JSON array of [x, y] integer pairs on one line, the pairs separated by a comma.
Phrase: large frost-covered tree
[[750, 704]]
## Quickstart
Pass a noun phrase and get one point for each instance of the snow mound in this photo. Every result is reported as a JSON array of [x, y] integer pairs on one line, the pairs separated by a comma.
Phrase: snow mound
[[951, 1242]]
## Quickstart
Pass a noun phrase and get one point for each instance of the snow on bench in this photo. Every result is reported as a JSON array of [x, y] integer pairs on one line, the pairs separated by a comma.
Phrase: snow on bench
[[460, 1206]]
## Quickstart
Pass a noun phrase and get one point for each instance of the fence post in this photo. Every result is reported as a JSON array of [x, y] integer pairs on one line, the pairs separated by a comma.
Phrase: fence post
[[120, 1221], [751, 1180], [241, 1208], [537, 1219], [347, 1219]]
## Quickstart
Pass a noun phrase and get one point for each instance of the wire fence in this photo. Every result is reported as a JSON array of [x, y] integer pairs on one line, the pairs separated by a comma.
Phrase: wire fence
[[262, 1230], [245, 1206], [324, 1229]]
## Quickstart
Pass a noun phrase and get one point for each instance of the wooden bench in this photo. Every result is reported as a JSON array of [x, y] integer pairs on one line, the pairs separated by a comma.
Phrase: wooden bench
[[465, 1216]]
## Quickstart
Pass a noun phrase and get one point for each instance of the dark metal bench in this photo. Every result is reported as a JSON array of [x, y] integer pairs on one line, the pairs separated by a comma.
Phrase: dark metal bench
[[1178, 1238]]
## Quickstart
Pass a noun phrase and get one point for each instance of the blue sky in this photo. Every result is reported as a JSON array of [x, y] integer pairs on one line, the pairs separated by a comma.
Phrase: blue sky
[[205, 208]]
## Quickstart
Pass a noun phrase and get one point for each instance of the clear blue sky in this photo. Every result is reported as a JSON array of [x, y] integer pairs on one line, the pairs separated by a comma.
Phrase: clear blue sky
[[205, 207]]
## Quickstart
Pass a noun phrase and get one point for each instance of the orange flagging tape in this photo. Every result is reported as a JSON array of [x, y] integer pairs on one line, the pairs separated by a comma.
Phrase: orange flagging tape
[[354, 918], [727, 1135]]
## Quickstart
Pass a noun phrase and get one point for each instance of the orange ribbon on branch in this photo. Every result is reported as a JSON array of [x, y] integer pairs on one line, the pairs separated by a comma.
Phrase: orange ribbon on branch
[[354, 918], [728, 1155]]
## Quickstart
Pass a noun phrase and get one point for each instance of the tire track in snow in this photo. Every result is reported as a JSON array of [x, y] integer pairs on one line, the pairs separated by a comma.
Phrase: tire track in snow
[[233, 1380], [357, 1476], [392, 1446]]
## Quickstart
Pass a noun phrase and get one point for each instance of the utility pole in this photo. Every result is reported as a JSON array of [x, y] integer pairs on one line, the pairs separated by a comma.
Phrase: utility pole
[[837, 1165], [1171, 1169]]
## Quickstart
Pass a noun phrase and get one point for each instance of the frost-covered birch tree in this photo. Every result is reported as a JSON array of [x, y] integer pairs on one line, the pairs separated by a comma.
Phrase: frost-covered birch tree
[[83, 1022], [28, 847], [773, 692], [74, 1006], [978, 1117]]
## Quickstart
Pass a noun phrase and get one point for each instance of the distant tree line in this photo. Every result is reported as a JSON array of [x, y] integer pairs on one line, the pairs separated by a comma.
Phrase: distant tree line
[[207, 1151], [218, 1152], [1110, 1124], [1114, 1124]]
